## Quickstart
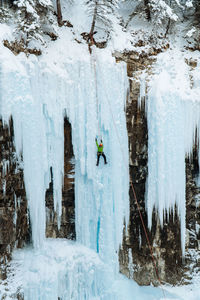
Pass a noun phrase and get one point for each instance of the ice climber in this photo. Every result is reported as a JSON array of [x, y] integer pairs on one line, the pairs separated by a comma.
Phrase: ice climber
[[100, 152]]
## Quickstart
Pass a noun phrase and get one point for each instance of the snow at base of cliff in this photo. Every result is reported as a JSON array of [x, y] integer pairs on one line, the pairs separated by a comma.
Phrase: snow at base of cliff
[[68, 270]]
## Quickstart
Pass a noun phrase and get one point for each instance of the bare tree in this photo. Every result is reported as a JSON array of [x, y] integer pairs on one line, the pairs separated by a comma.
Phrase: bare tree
[[101, 11], [59, 13], [147, 9], [93, 21]]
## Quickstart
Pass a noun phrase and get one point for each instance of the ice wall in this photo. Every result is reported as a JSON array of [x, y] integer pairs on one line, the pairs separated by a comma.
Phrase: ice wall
[[38, 93], [173, 112], [103, 191]]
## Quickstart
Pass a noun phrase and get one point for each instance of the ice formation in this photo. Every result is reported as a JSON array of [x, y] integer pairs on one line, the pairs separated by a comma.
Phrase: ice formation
[[38, 93], [67, 270], [173, 112]]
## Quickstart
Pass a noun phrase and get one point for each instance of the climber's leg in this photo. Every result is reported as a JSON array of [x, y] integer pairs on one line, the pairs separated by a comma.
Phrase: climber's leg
[[98, 156], [105, 162]]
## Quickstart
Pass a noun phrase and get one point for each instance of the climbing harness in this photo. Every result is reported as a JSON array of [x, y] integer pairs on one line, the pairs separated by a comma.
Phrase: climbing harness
[[136, 200]]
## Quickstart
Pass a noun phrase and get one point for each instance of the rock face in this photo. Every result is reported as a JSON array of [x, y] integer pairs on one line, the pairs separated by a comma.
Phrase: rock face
[[14, 220], [67, 228], [135, 256], [14, 225]]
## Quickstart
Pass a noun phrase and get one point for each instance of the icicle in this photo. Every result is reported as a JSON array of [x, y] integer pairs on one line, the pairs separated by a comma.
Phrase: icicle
[[142, 94], [130, 264], [15, 212], [172, 122], [5, 167], [4, 187]]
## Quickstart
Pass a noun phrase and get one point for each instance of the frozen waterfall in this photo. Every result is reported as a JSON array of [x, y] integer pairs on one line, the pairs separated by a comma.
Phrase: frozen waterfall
[[173, 113], [38, 93]]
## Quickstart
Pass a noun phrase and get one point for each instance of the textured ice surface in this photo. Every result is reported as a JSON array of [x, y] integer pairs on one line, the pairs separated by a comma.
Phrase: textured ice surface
[[70, 271], [63, 269], [173, 114]]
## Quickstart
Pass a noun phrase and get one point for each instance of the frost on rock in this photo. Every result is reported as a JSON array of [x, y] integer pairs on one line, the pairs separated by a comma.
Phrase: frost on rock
[[173, 114]]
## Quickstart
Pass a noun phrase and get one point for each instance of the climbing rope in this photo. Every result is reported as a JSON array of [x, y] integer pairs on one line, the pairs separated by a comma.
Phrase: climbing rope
[[94, 60], [136, 200]]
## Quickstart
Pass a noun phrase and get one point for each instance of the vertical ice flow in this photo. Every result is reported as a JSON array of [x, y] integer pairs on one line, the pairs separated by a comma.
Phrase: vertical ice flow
[[102, 192], [173, 112]]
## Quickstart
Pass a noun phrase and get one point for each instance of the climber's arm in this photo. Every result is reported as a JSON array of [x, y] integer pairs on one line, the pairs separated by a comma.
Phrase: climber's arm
[[97, 143]]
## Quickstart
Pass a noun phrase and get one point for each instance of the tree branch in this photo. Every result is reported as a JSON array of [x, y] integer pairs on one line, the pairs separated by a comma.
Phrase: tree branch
[[93, 22], [147, 9], [59, 13]]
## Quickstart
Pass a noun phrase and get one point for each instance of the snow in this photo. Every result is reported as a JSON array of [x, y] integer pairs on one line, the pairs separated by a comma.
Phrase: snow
[[190, 32], [189, 4], [173, 112]]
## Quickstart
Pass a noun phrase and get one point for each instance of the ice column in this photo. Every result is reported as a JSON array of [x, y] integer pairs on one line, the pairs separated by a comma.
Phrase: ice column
[[173, 115], [101, 193], [31, 96]]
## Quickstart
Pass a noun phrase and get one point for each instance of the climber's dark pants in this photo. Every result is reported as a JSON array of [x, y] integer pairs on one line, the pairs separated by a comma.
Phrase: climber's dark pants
[[98, 157]]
